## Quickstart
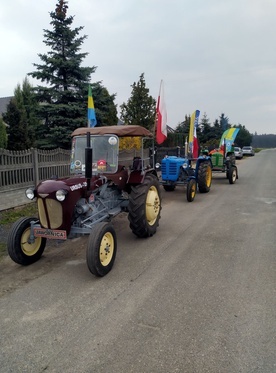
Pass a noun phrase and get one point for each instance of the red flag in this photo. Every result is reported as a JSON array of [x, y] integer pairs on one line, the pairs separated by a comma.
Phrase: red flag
[[195, 144], [161, 112]]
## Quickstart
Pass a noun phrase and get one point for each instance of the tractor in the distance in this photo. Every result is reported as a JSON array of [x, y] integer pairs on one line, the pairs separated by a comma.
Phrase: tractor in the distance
[[98, 189], [223, 158], [225, 162], [195, 174]]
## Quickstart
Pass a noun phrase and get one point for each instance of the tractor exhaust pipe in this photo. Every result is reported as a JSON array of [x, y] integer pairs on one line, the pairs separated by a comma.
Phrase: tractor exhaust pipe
[[88, 160]]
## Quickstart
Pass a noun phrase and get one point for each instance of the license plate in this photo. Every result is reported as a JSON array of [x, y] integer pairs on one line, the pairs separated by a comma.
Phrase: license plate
[[53, 234]]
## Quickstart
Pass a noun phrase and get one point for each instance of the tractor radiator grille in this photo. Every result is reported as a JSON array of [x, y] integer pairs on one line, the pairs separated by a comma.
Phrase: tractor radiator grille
[[54, 210], [169, 168]]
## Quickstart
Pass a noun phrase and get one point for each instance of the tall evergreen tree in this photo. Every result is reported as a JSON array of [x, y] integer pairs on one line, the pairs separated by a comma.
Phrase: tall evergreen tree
[[22, 123], [244, 137], [63, 98], [141, 107], [204, 129], [16, 118], [3, 135]]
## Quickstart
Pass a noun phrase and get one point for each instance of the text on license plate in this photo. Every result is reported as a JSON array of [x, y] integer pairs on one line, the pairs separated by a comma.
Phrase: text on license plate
[[53, 234]]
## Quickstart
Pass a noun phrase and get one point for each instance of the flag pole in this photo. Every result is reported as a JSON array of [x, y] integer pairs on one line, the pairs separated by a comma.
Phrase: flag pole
[[156, 110]]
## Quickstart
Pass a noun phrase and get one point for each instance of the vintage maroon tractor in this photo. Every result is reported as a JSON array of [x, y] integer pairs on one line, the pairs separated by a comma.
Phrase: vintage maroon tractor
[[98, 189]]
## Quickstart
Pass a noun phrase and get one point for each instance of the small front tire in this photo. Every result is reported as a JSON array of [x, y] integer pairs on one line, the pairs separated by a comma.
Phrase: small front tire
[[232, 175], [20, 248], [191, 190], [169, 188], [101, 249]]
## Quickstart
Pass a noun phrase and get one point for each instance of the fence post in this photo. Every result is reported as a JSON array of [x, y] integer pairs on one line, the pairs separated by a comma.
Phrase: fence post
[[35, 166]]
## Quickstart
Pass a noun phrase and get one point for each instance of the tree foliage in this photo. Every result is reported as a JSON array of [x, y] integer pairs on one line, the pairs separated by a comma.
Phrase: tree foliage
[[3, 135], [21, 118], [208, 134], [140, 108], [244, 137], [63, 97]]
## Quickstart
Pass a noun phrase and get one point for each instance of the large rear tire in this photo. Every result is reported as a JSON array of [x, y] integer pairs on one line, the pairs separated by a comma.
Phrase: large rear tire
[[101, 249], [145, 207], [191, 190], [20, 248], [204, 177]]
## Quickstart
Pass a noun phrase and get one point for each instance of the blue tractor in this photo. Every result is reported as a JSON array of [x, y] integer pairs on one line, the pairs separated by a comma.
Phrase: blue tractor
[[195, 174]]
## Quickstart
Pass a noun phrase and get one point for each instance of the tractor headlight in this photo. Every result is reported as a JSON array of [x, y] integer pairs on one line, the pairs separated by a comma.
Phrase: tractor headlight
[[157, 165], [185, 165], [30, 194], [61, 194]]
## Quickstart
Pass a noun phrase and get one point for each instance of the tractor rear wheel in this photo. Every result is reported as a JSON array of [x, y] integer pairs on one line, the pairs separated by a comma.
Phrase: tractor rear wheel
[[20, 248], [204, 177], [191, 190], [101, 249], [232, 175], [145, 207]]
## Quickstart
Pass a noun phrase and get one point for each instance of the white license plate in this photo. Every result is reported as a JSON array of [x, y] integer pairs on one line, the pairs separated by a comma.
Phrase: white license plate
[[53, 234]]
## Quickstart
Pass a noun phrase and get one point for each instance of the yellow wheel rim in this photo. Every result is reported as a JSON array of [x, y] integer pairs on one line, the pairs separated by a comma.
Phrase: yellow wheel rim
[[152, 205], [193, 190], [106, 249], [28, 248], [208, 176]]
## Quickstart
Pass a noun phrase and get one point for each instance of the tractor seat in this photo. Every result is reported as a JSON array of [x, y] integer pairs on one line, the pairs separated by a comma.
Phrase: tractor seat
[[137, 164]]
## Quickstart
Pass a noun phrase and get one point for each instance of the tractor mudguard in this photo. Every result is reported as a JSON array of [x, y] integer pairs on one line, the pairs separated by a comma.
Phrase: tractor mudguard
[[137, 177]]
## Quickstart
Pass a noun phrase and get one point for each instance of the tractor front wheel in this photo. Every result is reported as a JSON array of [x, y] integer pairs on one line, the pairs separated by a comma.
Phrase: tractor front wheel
[[101, 249], [191, 190], [169, 188], [145, 207], [21, 248], [204, 177], [232, 175]]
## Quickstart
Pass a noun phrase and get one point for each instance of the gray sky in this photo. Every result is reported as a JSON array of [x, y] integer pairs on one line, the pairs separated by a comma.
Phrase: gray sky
[[217, 56]]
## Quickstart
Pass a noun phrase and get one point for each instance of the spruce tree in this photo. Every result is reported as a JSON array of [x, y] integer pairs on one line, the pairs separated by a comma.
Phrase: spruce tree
[[205, 128], [63, 98], [23, 122], [16, 118], [3, 135], [141, 107]]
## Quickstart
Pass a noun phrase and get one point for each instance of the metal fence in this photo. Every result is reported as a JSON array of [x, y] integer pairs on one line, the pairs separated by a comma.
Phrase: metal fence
[[28, 167], [24, 168]]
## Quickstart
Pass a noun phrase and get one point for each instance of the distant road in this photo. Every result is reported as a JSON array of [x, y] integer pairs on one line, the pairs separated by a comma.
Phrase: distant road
[[197, 297]]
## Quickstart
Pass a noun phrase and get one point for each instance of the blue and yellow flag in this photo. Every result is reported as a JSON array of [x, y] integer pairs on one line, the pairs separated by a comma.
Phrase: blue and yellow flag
[[228, 137], [92, 121], [193, 126]]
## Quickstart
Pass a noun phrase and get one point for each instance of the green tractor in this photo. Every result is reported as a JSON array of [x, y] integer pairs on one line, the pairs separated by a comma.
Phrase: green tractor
[[223, 159]]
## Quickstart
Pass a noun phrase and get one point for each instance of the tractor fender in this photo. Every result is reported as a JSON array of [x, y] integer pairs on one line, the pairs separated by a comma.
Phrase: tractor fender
[[137, 177], [202, 159]]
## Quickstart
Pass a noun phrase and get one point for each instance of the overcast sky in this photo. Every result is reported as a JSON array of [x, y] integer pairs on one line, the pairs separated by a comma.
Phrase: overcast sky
[[217, 56]]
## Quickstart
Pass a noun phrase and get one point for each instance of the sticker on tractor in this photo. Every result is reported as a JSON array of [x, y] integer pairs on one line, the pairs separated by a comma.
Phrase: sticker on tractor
[[53, 234]]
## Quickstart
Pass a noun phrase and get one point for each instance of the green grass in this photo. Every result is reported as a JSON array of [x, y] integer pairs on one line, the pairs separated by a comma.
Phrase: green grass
[[3, 249], [8, 217]]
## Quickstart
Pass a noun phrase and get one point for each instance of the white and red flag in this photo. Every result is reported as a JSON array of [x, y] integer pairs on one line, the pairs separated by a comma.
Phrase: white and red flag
[[161, 114], [195, 144]]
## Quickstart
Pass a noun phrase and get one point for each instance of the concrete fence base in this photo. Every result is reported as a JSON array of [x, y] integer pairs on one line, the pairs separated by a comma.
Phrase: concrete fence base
[[13, 198]]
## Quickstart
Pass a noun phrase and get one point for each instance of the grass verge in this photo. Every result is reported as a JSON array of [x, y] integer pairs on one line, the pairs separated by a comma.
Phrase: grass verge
[[8, 217]]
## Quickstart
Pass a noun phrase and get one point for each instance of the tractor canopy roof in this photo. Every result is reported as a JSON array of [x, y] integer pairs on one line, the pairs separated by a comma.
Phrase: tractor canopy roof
[[120, 131]]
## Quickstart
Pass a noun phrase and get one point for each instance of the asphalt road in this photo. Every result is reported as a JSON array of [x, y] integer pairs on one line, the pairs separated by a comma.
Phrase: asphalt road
[[197, 297]]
